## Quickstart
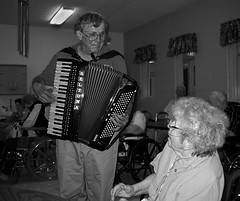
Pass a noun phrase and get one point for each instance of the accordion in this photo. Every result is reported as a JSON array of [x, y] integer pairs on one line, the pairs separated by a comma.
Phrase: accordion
[[87, 97]]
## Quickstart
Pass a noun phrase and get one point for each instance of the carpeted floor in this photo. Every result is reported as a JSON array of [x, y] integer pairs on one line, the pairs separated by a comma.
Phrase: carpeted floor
[[28, 188], [17, 194]]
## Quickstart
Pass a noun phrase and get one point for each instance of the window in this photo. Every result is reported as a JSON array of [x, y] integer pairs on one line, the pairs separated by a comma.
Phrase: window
[[184, 65], [147, 79]]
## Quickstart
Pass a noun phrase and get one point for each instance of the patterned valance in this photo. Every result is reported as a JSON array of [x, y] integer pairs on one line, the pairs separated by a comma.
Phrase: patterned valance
[[182, 44], [146, 53], [230, 32]]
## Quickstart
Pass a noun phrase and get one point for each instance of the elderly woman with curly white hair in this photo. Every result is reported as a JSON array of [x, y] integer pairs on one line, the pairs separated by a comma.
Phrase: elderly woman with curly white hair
[[188, 168]]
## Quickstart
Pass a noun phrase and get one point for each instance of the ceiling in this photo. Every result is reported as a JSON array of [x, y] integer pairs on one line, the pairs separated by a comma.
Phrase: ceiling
[[123, 15]]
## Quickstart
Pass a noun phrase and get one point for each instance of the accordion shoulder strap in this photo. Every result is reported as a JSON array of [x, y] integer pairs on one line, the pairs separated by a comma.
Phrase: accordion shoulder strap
[[108, 55], [71, 51]]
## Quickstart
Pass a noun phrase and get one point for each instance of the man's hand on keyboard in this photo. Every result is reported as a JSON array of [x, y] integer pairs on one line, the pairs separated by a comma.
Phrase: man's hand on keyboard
[[119, 120]]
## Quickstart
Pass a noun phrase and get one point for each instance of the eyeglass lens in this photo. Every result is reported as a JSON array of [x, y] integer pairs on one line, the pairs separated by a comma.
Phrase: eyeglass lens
[[94, 35]]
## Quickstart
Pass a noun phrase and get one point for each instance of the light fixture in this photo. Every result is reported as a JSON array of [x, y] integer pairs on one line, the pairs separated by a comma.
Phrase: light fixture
[[61, 15]]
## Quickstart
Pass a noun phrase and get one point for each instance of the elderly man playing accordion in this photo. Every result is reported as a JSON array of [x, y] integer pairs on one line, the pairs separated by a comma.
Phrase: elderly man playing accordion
[[84, 173]]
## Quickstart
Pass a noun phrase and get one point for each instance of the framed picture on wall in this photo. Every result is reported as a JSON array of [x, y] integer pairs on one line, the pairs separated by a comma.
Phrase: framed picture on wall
[[13, 79]]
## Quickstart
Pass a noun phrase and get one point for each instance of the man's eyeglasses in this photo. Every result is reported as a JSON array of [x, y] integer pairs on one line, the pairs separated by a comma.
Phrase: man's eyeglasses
[[94, 35]]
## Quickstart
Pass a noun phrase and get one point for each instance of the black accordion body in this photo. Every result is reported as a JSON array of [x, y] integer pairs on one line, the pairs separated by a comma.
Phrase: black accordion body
[[87, 97]]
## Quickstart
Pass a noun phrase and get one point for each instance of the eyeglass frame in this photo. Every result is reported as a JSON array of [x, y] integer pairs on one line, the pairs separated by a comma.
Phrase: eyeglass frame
[[101, 35], [173, 127]]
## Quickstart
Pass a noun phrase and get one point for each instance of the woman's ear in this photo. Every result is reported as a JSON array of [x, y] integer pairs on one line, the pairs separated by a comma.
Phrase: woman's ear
[[187, 145]]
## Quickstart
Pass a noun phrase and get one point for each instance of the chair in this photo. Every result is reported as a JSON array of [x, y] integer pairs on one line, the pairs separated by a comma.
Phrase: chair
[[160, 126], [162, 118]]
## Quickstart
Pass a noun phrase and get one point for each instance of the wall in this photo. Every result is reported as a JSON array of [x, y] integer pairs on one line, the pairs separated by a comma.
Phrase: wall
[[204, 18], [43, 44]]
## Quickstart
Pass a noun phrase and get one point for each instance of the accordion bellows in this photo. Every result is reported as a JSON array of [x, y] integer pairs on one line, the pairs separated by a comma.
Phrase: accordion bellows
[[87, 97]]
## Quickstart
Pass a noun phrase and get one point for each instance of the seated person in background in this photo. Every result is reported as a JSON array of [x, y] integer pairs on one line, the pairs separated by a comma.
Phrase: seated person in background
[[36, 118], [138, 124], [232, 110], [7, 125], [189, 167], [18, 114], [180, 92]]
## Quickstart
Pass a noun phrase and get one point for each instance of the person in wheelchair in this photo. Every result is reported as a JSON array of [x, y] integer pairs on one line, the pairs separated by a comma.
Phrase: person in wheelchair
[[7, 124], [189, 167], [36, 118], [16, 115]]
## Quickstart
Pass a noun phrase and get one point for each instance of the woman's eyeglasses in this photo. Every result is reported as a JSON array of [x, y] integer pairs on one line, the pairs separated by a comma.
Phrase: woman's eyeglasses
[[173, 127]]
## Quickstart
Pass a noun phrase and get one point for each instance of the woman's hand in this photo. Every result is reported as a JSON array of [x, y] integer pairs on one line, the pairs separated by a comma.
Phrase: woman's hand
[[44, 93], [122, 190]]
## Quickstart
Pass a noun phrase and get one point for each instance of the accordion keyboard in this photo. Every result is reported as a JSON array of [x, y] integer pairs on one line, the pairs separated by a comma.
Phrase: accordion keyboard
[[57, 110]]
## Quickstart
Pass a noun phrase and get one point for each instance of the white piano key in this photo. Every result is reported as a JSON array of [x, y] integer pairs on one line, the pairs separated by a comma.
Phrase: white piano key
[[55, 125]]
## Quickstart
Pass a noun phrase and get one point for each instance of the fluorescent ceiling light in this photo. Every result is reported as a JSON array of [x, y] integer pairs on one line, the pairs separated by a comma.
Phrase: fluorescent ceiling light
[[61, 15]]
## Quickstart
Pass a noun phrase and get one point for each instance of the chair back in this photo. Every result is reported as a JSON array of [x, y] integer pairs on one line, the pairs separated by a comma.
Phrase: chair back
[[162, 118]]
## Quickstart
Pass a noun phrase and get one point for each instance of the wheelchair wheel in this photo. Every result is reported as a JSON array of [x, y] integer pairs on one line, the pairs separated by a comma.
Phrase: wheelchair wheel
[[141, 156], [41, 159], [232, 187]]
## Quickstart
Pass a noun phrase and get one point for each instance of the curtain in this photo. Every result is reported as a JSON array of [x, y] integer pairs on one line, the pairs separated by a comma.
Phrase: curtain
[[146, 53], [230, 32], [182, 44], [233, 73]]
